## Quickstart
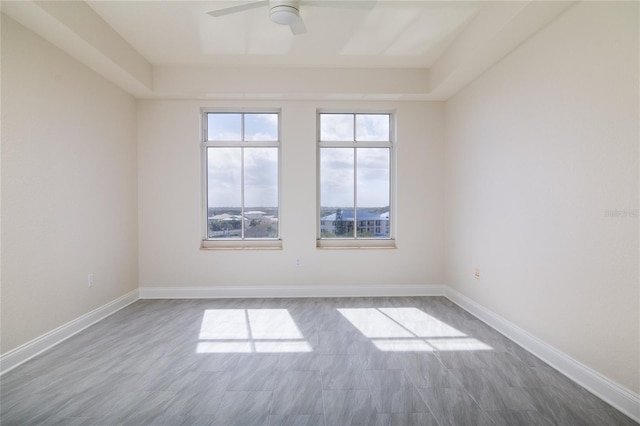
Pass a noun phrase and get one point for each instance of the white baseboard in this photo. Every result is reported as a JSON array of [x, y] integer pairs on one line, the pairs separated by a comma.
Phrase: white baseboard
[[23, 353], [618, 396], [290, 291]]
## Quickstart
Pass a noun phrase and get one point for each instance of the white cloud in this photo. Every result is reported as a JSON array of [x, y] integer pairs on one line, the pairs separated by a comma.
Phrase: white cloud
[[336, 127], [373, 177], [336, 177], [260, 177], [261, 127], [372, 127], [224, 127], [223, 177]]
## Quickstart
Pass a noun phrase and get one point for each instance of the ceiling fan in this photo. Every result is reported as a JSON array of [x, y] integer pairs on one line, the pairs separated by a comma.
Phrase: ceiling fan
[[287, 12]]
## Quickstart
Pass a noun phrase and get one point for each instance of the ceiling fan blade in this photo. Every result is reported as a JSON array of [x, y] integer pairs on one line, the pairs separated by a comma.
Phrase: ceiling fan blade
[[239, 8], [342, 4], [298, 27]]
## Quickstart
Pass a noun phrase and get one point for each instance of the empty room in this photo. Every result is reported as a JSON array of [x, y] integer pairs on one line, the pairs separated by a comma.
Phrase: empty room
[[320, 212]]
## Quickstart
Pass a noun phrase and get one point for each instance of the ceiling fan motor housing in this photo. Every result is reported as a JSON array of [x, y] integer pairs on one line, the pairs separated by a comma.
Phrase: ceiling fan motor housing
[[284, 12]]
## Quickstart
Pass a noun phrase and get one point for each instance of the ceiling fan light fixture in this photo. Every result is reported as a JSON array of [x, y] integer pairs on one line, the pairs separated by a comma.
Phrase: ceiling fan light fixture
[[284, 14]]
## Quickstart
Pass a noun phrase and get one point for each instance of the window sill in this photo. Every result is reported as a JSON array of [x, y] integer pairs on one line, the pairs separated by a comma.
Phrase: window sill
[[241, 245], [350, 243]]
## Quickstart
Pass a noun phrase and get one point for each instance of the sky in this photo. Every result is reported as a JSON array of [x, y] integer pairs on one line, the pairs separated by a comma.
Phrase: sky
[[261, 163], [260, 179], [228, 127], [337, 177], [340, 127]]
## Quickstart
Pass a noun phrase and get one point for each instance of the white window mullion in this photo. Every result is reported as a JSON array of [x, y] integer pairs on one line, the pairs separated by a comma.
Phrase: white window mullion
[[243, 141], [354, 128], [355, 192], [355, 181], [242, 192], [205, 183]]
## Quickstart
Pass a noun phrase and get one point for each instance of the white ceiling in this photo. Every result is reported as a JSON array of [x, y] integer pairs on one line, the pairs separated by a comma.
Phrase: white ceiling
[[394, 34], [391, 49]]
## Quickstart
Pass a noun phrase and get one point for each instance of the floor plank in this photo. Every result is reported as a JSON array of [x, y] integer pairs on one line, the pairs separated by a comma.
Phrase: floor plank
[[322, 362]]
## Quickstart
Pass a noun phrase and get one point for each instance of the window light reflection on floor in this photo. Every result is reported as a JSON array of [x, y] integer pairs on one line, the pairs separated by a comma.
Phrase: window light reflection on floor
[[373, 323], [402, 345], [409, 330], [250, 330], [420, 323], [275, 331], [466, 344]]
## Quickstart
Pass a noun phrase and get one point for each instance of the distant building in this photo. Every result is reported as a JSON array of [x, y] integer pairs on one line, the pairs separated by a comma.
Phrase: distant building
[[257, 224], [341, 223], [254, 214], [226, 217]]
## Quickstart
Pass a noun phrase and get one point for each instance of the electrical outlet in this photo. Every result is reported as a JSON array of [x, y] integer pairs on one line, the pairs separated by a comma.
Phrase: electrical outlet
[[298, 262], [90, 280], [476, 273]]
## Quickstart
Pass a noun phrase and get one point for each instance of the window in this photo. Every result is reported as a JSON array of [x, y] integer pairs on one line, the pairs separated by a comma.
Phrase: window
[[354, 167], [241, 152]]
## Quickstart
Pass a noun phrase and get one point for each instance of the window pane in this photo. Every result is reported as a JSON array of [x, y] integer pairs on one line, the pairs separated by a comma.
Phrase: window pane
[[372, 127], [336, 192], [373, 192], [224, 191], [261, 127], [261, 192], [224, 127], [336, 127]]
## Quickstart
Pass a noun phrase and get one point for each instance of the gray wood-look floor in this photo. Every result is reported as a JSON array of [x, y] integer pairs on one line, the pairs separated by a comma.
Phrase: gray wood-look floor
[[352, 361]]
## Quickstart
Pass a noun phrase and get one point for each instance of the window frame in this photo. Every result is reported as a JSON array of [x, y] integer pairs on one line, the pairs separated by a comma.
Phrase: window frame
[[243, 243], [357, 242]]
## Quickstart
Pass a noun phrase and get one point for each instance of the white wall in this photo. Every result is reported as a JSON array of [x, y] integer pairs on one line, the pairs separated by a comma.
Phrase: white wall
[[539, 150], [170, 204], [69, 193]]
